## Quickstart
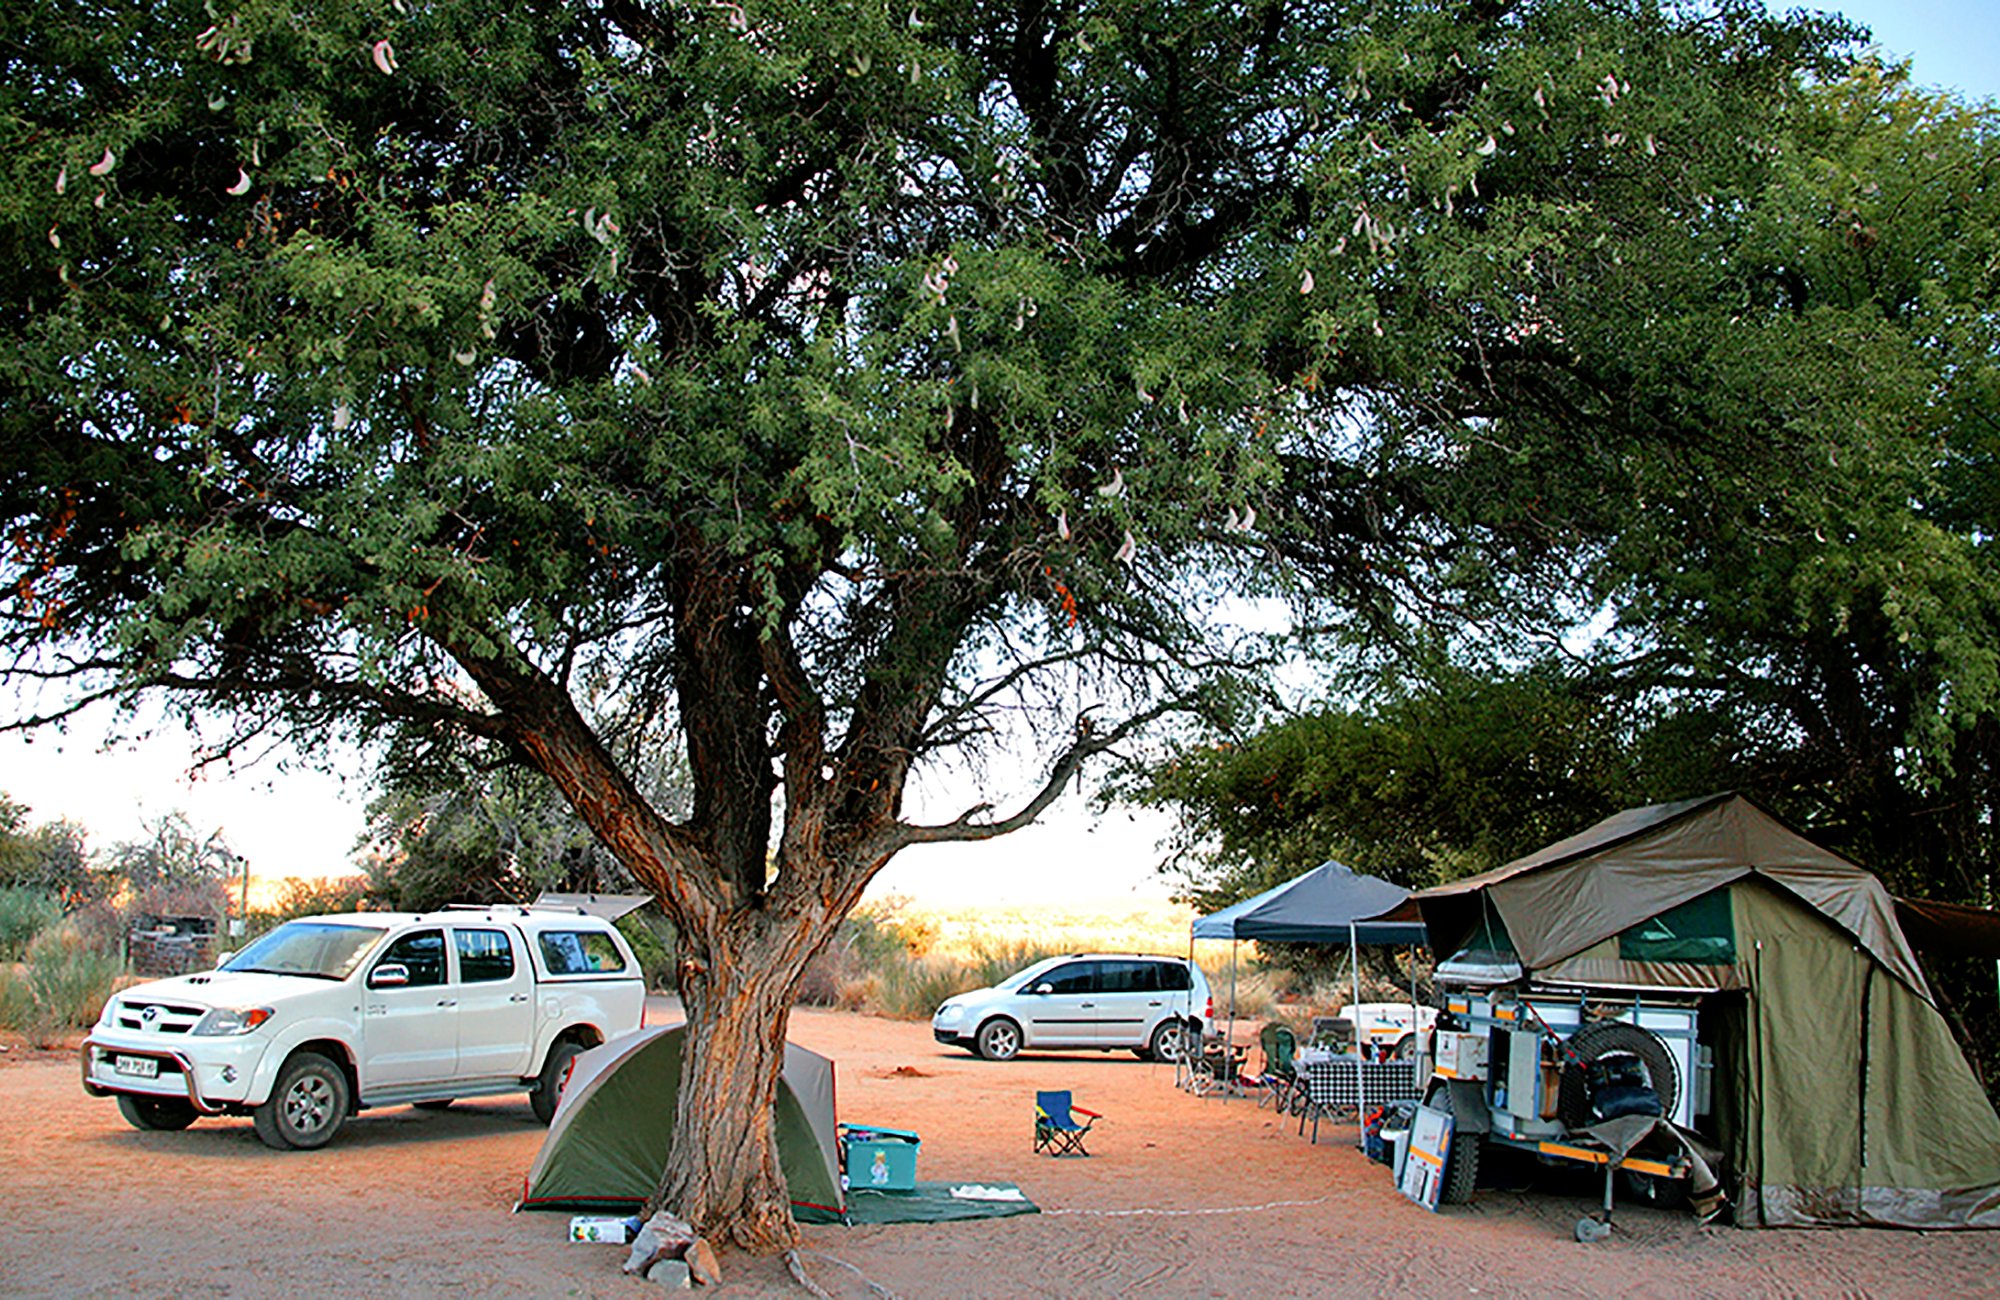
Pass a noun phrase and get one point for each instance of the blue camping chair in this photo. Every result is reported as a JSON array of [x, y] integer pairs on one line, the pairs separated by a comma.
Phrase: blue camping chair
[[1056, 1129]]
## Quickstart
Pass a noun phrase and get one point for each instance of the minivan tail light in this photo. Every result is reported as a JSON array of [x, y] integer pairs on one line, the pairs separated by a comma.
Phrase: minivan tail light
[[1208, 1011]]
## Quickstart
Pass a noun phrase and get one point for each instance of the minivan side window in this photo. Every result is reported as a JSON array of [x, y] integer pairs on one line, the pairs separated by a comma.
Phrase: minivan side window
[[422, 953], [1173, 977], [1129, 977], [580, 952], [1073, 977], [483, 955]]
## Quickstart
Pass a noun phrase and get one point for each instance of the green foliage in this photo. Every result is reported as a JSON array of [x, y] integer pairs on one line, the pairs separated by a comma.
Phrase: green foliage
[[17, 1003], [69, 978], [49, 857], [24, 913], [654, 944], [172, 855]]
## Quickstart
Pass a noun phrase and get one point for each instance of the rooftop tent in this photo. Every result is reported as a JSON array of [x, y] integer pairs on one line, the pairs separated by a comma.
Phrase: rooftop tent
[[609, 1140], [1317, 907], [1839, 1093]]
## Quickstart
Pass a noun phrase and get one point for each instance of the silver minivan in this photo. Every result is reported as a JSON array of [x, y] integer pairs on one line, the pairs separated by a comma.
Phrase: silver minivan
[[1152, 1005]]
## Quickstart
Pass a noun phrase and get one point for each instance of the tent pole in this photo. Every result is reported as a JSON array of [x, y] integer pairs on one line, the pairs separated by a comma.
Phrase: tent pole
[[1354, 973], [1183, 1067], [1229, 1043], [1416, 1016]]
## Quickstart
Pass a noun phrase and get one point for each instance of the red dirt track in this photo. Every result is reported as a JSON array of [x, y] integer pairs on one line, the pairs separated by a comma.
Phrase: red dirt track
[[1181, 1197]]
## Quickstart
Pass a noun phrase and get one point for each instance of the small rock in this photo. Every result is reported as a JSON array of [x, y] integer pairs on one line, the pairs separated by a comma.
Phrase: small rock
[[669, 1273], [702, 1264]]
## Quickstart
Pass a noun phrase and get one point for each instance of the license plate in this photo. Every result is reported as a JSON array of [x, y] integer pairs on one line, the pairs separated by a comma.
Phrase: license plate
[[140, 1067]]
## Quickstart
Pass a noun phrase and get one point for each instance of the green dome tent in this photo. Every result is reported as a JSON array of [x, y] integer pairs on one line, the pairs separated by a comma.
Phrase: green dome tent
[[608, 1143]]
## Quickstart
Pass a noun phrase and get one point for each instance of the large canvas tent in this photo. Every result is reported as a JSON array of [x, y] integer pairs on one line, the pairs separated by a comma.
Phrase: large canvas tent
[[608, 1143], [1840, 1096]]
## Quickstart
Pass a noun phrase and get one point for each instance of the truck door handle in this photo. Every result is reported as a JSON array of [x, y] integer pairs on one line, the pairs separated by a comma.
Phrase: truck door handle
[[518, 997], [447, 1002]]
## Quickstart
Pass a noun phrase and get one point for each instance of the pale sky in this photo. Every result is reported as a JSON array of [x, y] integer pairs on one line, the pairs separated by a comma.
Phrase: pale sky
[[291, 819]]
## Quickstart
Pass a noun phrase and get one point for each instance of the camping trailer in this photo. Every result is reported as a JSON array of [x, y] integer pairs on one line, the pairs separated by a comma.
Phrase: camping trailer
[[1760, 988]]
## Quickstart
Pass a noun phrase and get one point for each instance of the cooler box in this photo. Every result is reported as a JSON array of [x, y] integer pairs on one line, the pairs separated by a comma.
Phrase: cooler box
[[884, 1159]]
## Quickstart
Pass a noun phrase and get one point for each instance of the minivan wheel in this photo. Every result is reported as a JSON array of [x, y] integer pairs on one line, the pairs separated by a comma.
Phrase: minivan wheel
[[1169, 1042], [999, 1040], [308, 1106]]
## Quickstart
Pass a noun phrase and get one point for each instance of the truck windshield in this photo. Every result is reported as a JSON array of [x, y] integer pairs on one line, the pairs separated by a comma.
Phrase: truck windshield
[[311, 948]]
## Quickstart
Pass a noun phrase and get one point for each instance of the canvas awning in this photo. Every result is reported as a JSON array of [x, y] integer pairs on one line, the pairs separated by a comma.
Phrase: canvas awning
[[1317, 907], [1639, 863]]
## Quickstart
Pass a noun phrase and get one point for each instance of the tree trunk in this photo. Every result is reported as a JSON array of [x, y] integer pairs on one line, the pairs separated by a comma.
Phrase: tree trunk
[[723, 1175]]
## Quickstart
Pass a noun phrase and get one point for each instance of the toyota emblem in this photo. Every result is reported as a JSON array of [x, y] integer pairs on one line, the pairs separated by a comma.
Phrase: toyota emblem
[[150, 1014]]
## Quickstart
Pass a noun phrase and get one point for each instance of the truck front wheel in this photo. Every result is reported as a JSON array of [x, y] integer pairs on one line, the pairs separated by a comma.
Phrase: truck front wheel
[[156, 1114], [555, 1073], [307, 1107]]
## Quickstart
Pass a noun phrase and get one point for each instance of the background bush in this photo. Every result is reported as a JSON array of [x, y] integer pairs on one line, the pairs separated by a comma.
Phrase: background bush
[[70, 979], [24, 913]]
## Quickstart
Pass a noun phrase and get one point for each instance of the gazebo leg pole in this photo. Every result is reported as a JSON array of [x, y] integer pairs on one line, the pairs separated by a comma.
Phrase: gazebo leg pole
[[1229, 1042]]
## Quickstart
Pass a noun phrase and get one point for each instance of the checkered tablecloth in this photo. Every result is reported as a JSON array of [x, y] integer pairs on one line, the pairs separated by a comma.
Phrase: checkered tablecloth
[[1343, 1083]]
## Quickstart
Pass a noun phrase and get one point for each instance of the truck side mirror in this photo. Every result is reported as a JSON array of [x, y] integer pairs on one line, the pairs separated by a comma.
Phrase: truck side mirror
[[222, 958], [389, 976]]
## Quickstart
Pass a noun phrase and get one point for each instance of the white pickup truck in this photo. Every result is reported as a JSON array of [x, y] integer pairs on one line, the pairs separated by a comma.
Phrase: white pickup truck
[[326, 1015]]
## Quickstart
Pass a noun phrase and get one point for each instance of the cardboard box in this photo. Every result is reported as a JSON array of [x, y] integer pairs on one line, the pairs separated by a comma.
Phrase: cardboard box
[[590, 1227], [882, 1159]]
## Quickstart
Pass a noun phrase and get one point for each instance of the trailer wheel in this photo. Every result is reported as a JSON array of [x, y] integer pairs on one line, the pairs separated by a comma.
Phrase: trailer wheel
[[1461, 1160], [1611, 1038], [1651, 1189]]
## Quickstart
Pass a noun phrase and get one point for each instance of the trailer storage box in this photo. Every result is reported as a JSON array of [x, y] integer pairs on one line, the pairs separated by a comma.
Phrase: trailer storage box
[[1461, 1055]]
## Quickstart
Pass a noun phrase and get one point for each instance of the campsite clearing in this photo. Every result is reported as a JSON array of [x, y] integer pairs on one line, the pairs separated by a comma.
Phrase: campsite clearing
[[1181, 1196]]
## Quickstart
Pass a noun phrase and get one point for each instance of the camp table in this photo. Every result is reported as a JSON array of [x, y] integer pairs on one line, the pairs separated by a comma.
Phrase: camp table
[[1345, 1083]]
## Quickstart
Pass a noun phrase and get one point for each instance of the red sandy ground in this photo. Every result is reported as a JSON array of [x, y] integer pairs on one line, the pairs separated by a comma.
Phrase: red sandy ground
[[1181, 1197]]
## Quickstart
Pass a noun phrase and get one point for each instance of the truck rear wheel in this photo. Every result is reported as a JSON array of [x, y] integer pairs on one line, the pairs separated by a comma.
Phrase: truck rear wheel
[[1461, 1158], [555, 1073]]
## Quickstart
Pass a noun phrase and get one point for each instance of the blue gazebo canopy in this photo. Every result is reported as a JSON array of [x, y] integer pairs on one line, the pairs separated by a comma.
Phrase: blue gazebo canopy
[[1317, 907]]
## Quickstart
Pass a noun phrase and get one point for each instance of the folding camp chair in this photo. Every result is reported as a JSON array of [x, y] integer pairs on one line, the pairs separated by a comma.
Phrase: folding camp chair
[[1056, 1129], [1281, 1077]]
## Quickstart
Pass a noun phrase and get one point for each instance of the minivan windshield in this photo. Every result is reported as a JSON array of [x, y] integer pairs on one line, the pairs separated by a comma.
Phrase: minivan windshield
[[315, 949]]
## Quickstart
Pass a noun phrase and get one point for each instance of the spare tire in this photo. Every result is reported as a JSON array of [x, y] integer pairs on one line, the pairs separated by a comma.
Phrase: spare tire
[[1610, 1038]]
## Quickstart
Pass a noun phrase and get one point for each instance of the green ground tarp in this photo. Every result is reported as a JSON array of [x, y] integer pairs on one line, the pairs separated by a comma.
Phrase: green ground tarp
[[929, 1203]]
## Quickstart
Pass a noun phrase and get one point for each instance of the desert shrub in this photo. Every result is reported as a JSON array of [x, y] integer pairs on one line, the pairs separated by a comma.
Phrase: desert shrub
[[17, 1001], [69, 978], [849, 971], [654, 943], [24, 913]]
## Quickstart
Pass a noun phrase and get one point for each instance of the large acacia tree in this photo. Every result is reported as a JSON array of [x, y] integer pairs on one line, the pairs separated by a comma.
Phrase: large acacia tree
[[839, 383]]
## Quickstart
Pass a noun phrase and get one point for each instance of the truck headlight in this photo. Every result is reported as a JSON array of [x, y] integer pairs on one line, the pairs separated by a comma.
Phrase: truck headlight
[[231, 1020]]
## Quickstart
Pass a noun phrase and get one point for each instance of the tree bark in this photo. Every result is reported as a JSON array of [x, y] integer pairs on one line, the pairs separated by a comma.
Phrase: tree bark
[[723, 1174]]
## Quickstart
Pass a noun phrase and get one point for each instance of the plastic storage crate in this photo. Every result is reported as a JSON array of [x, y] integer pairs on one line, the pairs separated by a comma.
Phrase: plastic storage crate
[[881, 1159]]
